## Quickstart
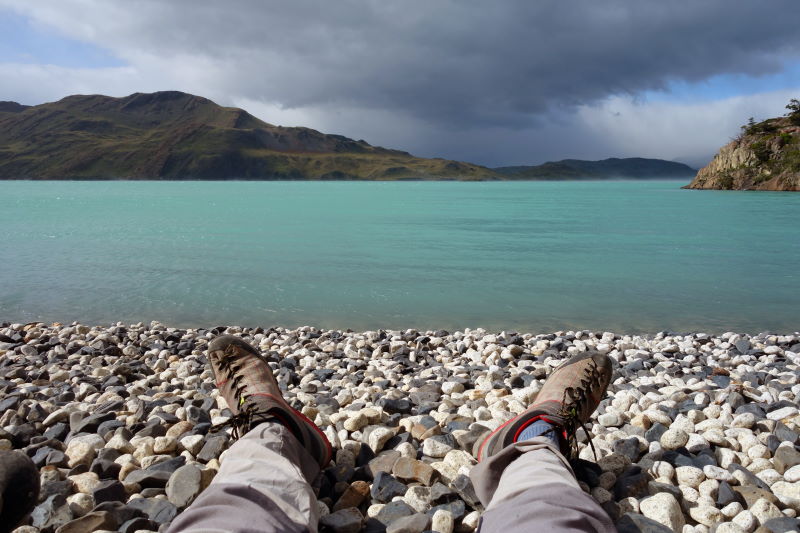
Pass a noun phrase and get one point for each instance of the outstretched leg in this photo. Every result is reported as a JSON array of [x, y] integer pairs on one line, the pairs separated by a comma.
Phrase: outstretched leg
[[523, 477], [264, 483]]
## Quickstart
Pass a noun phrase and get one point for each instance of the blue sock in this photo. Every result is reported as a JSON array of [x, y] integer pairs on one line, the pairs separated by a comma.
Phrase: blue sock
[[540, 428]]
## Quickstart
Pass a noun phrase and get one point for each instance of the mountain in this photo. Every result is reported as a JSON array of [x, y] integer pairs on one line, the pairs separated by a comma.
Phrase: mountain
[[174, 135], [765, 156], [12, 107], [570, 169]]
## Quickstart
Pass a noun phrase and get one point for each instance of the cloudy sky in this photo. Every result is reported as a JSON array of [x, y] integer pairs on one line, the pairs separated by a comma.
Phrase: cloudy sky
[[496, 83]]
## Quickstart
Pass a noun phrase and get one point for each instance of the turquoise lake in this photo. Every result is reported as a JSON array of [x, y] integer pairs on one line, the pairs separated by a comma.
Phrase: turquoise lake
[[623, 256]]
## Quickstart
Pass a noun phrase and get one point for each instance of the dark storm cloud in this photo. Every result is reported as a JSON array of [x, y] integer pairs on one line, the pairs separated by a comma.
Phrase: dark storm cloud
[[433, 77], [470, 63]]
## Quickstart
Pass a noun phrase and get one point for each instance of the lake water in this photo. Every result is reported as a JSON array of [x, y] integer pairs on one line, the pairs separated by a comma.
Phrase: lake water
[[624, 256]]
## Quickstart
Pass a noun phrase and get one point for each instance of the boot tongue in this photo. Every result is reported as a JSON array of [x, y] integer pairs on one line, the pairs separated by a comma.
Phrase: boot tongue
[[265, 409]]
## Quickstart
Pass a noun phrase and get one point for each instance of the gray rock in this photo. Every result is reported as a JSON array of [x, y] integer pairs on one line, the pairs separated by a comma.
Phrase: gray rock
[[466, 491], [415, 523], [780, 525], [627, 447], [138, 524], [149, 478], [385, 487], [636, 523], [109, 490], [384, 462], [393, 511], [90, 522], [212, 449], [456, 508], [159, 511], [51, 513], [632, 483], [184, 485], [343, 521], [785, 458]]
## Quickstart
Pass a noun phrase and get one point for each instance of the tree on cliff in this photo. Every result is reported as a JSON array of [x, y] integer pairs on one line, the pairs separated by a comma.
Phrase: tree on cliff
[[794, 111]]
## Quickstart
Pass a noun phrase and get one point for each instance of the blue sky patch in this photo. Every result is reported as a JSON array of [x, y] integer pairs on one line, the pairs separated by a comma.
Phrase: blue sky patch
[[728, 86], [24, 42]]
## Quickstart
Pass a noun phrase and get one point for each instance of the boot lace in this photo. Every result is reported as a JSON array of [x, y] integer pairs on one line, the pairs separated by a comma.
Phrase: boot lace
[[249, 412], [575, 404]]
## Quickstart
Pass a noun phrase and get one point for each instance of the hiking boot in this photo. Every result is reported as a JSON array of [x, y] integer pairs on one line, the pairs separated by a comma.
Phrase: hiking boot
[[568, 398], [246, 382]]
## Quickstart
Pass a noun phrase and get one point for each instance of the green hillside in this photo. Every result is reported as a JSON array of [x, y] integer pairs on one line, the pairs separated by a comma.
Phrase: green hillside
[[174, 135]]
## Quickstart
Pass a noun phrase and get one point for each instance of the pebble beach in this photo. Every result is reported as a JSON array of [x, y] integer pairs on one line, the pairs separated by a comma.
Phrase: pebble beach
[[698, 433]]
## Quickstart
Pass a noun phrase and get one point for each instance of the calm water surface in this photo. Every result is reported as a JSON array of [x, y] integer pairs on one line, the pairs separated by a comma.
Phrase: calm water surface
[[531, 256]]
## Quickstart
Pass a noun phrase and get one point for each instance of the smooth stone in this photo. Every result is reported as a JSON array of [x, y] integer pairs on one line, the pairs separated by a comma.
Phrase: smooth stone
[[138, 524], [96, 520], [782, 413], [353, 496], [438, 445], [415, 523], [787, 493], [411, 469], [184, 485], [792, 475], [632, 483], [456, 508], [109, 491], [393, 511], [764, 510], [149, 478], [343, 521], [85, 482], [637, 523], [212, 449], [664, 509], [780, 525], [383, 462], [442, 521], [121, 512], [785, 458], [159, 511], [672, 439]]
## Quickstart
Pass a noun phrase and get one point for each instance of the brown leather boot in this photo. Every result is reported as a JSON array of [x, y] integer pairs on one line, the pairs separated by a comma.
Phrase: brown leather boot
[[568, 398], [246, 382]]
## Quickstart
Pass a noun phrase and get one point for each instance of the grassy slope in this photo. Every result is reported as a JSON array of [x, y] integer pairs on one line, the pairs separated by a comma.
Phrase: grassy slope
[[173, 135]]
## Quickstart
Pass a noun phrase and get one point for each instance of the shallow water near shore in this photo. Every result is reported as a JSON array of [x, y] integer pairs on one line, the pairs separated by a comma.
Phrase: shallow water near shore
[[627, 256]]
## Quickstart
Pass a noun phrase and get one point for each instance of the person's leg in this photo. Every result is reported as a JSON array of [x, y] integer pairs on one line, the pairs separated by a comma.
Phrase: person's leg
[[262, 485], [522, 476], [529, 486], [264, 482]]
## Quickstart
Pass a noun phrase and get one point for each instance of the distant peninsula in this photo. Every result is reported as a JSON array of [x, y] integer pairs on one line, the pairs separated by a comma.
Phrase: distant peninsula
[[577, 169], [172, 135], [765, 156]]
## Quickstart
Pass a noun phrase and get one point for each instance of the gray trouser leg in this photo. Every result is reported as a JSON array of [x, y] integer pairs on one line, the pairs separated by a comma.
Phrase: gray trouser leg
[[529, 486], [263, 485]]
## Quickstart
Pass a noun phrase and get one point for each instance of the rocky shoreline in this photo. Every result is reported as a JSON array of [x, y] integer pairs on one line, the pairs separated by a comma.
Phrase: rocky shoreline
[[698, 433]]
